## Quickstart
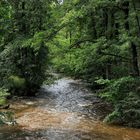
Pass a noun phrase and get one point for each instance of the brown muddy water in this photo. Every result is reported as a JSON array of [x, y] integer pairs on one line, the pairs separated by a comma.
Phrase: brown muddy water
[[65, 110]]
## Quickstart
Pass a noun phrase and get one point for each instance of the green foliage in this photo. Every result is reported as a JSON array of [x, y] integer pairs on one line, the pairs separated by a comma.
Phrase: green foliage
[[6, 118], [51, 78], [119, 89], [5, 24], [124, 94], [23, 65], [102, 81], [23, 53], [113, 117], [84, 61], [16, 82], [3, 94]]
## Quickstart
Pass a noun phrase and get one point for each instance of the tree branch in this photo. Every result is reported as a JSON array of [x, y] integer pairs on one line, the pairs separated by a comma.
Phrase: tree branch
[[49, 37], [116, 55], [81, 41]]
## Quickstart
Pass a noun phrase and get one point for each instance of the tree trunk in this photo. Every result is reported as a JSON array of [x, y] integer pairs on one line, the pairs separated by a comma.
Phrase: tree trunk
[[132, 44], [108, 71], [110, 24], [70, 33], [23, 26], [137, 18], [93, 26], [134, 59]]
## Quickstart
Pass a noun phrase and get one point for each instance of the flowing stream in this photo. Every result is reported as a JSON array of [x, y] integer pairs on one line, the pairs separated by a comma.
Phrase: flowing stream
[[65, 110]]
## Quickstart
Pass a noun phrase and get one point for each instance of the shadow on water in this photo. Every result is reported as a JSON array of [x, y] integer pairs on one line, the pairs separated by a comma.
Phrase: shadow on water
[[65, 110], [52, 134]]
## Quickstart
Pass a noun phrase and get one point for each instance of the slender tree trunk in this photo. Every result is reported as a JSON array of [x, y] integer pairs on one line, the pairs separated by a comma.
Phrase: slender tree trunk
[[132, 44], [93, 25], [110, 24], [137, 18], [66, 34], [23, 26], [70, 33], [116, 33], [109, 35], [135, 59], [108, 71]]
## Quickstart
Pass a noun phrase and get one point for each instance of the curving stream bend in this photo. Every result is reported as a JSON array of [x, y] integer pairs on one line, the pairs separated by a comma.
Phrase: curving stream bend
[[65, 110]]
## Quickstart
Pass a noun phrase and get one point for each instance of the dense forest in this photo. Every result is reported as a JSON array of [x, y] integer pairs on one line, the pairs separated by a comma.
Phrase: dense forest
[[97, 41]]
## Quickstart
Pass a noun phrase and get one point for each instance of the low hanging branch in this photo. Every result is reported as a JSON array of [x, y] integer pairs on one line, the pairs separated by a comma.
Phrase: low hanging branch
[[125, 59], [80, 42], [54, 32]]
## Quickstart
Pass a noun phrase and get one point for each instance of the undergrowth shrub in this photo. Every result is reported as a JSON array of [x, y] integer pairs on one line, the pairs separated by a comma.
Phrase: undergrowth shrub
[[23, 64], [3, 94], [7, 118], [124, 95], [16, 83]]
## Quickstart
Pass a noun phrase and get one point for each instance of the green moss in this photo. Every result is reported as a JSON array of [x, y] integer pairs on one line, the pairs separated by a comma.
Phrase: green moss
[[2, 101], [16, 81], [3, 94]]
